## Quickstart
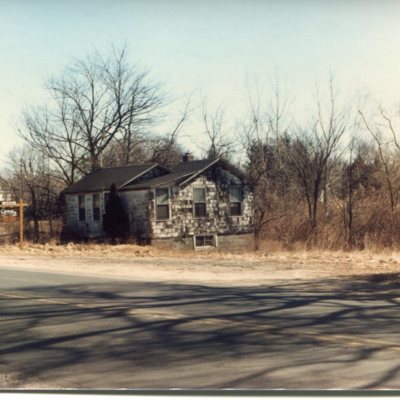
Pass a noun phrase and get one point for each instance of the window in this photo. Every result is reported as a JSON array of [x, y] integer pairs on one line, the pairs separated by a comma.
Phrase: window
[[199, 199], [96, 207], [162, 203], [206, 240], [235, 200], [82, 210]]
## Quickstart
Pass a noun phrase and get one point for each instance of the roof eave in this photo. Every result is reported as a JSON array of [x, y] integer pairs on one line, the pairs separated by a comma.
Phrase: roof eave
[[235, 171], [195, 174], [165, 183], [65, 191]]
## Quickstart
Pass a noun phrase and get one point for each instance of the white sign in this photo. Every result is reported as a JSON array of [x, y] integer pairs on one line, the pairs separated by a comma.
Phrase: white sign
[[9, 204], [8, 213]]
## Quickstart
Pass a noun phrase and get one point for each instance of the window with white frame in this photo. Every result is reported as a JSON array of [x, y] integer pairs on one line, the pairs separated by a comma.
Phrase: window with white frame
[[82, 208], [96, 206], [235, 199], [199, 201], [204, 240], [162, 203]]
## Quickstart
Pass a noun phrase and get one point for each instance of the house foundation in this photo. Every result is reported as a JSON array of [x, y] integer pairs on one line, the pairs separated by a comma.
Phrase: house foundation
[[231, 243]]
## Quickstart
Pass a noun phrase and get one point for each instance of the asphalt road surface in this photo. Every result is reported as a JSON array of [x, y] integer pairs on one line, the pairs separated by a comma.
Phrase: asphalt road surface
[[64, 331]]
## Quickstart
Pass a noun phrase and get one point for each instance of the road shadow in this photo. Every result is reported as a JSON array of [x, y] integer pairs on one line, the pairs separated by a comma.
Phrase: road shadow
[[334, 333]]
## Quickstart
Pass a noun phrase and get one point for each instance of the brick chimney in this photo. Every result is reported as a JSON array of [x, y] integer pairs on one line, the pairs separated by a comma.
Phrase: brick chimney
[[187, 157]]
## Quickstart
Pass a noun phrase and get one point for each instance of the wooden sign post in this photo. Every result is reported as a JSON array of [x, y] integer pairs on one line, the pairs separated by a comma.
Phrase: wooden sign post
[[21, 223]]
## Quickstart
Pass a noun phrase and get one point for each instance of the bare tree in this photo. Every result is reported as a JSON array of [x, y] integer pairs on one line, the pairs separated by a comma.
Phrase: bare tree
[[357, 181], [95, 102], [31, 179], [387, 144], [146, 147], [263, 134], [219, 142], [313, 153], [165, 149]]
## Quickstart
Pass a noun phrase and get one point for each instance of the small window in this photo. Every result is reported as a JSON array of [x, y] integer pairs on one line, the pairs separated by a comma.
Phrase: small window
[[204, 240], [82, 210], [162, 203], [96, 207], [199, 200], [235, 200]]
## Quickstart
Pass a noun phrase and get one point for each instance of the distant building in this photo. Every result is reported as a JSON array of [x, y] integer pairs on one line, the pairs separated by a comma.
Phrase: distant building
[[5, 196], [8, 212], [194, 204]]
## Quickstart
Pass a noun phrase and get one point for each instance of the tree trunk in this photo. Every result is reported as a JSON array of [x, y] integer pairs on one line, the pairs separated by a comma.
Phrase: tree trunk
[[257, 239]]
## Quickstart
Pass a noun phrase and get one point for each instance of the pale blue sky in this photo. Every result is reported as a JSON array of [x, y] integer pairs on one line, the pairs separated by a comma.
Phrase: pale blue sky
[[203, 48]]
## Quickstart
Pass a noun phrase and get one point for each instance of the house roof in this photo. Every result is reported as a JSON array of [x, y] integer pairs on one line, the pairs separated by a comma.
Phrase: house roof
[[103, 178], [178, 173], [124, 177], [191, 166], [183, 173], [164, 180]]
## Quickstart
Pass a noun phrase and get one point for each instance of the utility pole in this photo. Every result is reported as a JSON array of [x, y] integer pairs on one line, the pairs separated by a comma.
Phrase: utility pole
[[21, 211], [21, 223]]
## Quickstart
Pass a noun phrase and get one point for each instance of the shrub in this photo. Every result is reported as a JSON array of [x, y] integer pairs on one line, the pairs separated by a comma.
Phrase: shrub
[[115, 220]]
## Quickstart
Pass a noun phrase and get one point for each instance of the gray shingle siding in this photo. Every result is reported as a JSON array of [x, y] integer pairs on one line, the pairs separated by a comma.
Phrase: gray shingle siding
[[183, 223]]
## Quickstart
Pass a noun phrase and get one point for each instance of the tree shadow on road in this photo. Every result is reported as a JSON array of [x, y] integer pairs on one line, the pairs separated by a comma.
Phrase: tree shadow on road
[[334, 333]]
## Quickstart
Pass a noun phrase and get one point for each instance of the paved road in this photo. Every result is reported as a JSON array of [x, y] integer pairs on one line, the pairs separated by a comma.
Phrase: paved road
[[64, 331]]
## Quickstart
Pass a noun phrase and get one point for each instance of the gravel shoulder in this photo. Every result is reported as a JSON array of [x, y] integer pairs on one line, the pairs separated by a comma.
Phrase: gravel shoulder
[[210, 268]]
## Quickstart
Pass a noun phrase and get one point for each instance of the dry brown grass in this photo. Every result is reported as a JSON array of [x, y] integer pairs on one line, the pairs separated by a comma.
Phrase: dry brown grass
[[79, 250], [212, 268], [384, 260]]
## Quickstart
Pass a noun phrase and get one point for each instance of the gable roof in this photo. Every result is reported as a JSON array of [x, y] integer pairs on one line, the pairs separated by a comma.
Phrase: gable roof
[[179, 171], [125, 176], [103, 178], [184, 172]]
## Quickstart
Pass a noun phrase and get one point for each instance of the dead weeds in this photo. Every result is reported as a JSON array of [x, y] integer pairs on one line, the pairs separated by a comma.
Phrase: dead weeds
[[313, 264]]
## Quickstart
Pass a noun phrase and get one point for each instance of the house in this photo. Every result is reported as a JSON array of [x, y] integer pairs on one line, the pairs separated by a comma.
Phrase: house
[[5, 196], [194, 204]]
